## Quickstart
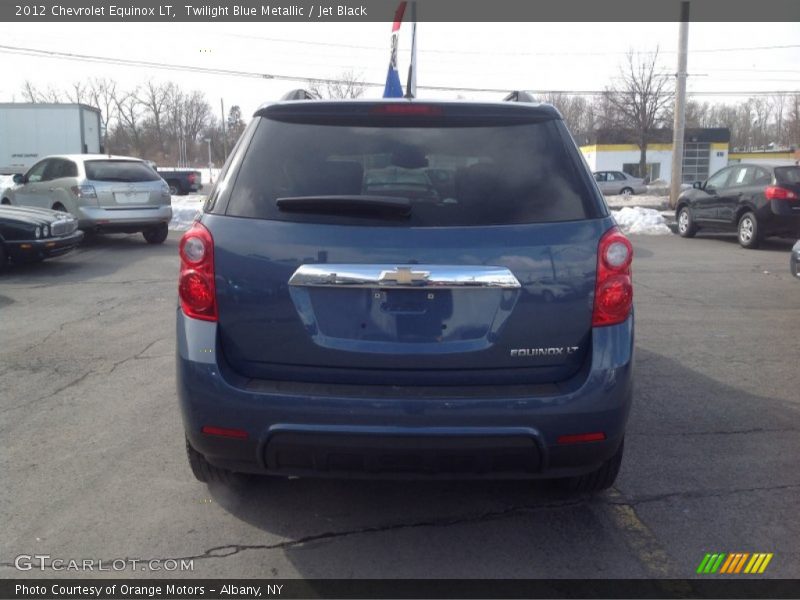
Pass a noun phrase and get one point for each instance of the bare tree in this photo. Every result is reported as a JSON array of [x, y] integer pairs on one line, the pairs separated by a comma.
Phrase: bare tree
[[347, 85], [103, 95], [641, 99], [129, 113], [154, 97]]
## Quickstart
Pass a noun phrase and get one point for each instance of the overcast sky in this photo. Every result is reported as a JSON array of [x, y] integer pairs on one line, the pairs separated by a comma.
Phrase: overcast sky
[[564, 56]]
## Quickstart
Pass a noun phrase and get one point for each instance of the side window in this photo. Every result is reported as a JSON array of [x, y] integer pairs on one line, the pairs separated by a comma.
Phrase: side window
[[718, 180], [619, 176], [600, 176], [68, 169], [763, 177], [52, 170], [740, 176], [36, 173]]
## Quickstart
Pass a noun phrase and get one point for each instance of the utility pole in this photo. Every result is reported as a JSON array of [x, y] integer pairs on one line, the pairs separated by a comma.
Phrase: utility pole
[[224, 135], [680, 107]]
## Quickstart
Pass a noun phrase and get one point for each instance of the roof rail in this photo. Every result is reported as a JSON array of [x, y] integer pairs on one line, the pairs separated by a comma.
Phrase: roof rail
[[300, 94], [519, 96]]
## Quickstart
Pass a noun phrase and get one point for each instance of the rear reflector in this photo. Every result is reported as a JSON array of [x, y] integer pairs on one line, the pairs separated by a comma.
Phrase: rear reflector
[[238, 434], [580, 438], [774, 192], [407, 109]]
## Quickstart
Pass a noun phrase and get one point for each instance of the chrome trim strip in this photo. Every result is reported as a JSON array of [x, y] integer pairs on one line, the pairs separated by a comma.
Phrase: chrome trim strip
[[403, 276]]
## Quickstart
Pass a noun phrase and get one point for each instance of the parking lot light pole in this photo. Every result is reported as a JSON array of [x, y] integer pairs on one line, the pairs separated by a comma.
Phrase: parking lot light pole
[[210, 177], [680, 108]]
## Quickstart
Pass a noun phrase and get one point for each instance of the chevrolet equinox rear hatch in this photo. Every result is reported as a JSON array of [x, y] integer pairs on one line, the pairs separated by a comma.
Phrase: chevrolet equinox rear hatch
[[406, 243]]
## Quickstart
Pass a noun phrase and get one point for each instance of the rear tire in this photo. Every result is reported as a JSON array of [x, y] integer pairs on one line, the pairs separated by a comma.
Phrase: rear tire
[[686, 226], [59, 207], [596, 481], [3, 258], [6, 202], [156, 235], [626, 191], [174, 190], [206, 472], [748, 231]]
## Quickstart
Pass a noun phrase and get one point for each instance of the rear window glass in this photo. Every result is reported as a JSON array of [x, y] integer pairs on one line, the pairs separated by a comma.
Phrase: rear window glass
[[790, 175], [119, 170], [452, 175]]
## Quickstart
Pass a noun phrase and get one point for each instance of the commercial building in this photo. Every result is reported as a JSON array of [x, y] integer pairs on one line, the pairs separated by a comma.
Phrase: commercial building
[[705, 151]]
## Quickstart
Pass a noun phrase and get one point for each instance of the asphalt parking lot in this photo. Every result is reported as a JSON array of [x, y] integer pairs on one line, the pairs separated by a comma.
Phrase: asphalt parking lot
[[93, 465]]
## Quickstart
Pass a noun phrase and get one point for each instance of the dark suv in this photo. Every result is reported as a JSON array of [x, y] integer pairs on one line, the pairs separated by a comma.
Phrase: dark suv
[[755, 200], [363, 295]]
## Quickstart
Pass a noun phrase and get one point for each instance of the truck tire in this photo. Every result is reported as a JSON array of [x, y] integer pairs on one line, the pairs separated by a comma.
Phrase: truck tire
[[174, 187]]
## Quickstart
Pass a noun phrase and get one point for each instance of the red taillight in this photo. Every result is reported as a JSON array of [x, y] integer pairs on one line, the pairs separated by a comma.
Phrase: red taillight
[[192, 177], [239, 434], [196, 282], [775, 192], [407, 109], [613, 292], [580, 438]]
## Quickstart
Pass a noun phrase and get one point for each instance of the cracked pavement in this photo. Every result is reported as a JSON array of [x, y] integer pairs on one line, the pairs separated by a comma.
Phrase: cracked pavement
[[94, 467]]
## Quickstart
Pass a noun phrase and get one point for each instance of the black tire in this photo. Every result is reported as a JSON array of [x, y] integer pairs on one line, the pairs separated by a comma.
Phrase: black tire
[[6, 202], [596, 481], [174, 188], [3, 258], [206, 472], [626, 191], [59, 207], [686, 226], [748, 231], [156, 235]]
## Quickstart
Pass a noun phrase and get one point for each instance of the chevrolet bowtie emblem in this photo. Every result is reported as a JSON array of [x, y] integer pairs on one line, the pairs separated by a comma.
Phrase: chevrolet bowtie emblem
[[403, 276]]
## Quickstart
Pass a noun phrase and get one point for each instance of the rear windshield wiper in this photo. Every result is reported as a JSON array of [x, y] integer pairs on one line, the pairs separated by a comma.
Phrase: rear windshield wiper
[[368, 205]]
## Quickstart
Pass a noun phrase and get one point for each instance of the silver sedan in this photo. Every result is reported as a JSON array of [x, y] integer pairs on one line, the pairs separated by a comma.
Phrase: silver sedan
[[105, 193], [613, 183]]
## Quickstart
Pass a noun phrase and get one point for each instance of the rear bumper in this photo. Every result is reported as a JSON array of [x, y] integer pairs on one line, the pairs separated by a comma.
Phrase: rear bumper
[[385, 431], [44, 248], [122, 219]]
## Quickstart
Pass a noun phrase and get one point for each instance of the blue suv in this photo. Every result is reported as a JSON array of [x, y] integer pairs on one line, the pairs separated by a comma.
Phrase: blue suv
[[404, 288]]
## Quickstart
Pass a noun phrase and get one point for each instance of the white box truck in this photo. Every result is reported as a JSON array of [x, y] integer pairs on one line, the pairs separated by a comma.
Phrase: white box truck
[[29, 132]]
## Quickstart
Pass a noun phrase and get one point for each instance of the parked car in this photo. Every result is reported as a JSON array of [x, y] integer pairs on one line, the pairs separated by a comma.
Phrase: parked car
[[324, 330], [613, 183], [181, 181], [33, 234], [105, 193], [755, 200], [794, 261]]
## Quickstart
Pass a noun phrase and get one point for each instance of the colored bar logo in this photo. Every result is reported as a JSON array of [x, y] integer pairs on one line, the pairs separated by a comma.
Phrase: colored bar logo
[[734, 563]]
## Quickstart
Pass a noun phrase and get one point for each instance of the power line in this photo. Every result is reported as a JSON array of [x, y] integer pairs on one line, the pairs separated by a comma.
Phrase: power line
[[324, 80], [503, 53]]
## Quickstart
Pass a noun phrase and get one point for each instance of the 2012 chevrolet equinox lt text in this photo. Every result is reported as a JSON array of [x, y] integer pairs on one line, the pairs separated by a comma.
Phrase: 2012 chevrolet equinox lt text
[[406, 289]]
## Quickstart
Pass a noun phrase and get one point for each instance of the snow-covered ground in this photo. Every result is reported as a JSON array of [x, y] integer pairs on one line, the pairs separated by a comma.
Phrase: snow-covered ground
[[635, 220], [185, 209], [6, 181]]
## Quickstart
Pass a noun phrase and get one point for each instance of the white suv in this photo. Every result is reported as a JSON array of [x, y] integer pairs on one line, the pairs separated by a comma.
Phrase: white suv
[[105, 193]]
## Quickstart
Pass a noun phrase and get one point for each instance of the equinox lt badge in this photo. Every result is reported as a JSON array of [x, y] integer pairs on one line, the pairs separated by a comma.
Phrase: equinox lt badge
[[544, 351]]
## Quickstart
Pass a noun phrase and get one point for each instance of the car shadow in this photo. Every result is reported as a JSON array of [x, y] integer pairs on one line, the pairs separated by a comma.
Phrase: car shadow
[[687, 438]]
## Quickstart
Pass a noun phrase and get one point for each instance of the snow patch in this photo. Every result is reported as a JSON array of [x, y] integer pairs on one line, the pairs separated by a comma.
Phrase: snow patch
[[6, 181], [185, 209], [636, 220]]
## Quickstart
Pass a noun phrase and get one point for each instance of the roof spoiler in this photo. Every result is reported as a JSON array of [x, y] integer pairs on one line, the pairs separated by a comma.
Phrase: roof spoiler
[[300, 94], [519, 96]]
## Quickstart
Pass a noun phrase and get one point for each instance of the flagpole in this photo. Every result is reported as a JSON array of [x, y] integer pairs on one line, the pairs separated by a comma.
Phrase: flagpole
[[393, 88], [411, 84]]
